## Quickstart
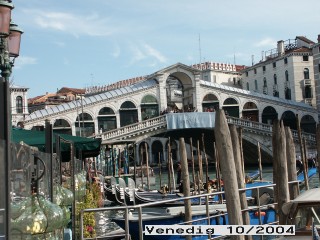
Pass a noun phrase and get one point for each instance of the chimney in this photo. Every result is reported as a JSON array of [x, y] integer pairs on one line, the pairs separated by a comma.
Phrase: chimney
[[318, 38], [280, 47]]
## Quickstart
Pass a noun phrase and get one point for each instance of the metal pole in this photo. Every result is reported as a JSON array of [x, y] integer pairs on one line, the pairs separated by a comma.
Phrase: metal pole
[[5, 125], [82, 115]]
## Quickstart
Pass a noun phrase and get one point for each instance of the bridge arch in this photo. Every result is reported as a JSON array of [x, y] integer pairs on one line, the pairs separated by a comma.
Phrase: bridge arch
[[231, 107], [107, 119], [62, 126], [289, 119], [143, 152], [269, 114], [149, 107], [86, 123], [308, 124], [128, 113], [179, 92], [250, 111], [157, 151], [210, 103]]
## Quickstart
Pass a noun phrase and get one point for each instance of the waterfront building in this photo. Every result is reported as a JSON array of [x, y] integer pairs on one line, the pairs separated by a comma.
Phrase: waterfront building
[[19, 104], [286, 72], [316, 65]]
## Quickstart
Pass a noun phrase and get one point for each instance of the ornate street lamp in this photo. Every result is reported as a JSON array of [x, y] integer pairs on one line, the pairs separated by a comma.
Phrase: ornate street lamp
[[13, 38]]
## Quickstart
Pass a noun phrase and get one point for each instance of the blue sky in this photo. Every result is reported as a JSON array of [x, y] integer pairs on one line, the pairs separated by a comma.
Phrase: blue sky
[[77, 43]]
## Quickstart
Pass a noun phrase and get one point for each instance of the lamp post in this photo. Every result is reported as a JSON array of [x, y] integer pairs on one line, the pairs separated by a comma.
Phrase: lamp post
[[10, 36]]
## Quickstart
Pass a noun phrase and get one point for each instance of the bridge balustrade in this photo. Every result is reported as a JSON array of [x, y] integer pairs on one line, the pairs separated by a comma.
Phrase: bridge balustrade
[[152, 124]]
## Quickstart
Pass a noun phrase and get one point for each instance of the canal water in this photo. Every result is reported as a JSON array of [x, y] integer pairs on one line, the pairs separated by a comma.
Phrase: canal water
[[105, 226]]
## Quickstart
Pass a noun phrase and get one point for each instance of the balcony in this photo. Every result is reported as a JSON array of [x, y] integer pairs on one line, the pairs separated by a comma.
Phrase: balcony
[[307, 82]]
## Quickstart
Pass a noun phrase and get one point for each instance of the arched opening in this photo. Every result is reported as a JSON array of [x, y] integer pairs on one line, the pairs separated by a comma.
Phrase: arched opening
[[269, 114], [231, 107], [143, 151], [174, 150], [62, 126], [19, 104], [157, 152], [107, 119], [84, 125], [308, 124], [128, 113], [289, 119], [250, 112], [149, 107], [210, 103], [174, 94]]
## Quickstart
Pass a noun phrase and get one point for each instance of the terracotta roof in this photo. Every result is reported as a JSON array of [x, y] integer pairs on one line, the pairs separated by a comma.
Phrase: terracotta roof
[[73, 90]]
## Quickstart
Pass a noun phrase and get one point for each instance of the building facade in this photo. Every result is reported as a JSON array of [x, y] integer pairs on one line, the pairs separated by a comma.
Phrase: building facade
[[316, 65], [286, 72], [19, 104], [177, 88]]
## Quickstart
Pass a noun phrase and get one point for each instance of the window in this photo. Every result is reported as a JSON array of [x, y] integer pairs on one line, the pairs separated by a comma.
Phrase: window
[[234, 81], [256, 85], [306, 73], [206, 78], [264, 82], [274, 64], [285, 60], [247, 74], [264, 68], [305, 58], [248, 86], [308, 91], [319, 67], [286, 75], [275, 79], [265, 87], [255, 71], [19, 106]]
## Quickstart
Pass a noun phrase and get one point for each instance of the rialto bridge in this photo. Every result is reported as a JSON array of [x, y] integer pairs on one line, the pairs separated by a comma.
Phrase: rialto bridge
[[136, 112]]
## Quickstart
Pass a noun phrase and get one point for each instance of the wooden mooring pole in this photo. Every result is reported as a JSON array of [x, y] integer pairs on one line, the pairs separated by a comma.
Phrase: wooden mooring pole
[[281, 174], [228, 170], [240, 176], [291, 162], [185, 182], [193, 170], [260, 162]]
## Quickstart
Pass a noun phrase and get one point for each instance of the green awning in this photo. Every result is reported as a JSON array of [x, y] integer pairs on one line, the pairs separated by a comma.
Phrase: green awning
[[85, 147]]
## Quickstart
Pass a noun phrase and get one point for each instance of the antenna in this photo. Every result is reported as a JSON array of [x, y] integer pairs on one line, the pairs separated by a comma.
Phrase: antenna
[[199, 48]]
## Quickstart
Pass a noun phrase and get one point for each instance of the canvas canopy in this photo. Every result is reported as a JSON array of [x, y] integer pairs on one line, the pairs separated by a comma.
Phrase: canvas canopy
[[84, 147]]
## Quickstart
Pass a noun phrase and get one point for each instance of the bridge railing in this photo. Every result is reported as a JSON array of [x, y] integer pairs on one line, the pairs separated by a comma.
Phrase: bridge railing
[[161, 122], [134, 129]]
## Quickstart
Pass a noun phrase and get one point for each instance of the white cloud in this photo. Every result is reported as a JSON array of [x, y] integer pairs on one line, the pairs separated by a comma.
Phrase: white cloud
[[92, 24], [267, 42], [22, 61], [155, 53], [145, 51]]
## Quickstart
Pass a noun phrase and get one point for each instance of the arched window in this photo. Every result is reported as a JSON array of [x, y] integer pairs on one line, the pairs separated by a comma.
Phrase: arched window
[[19, 105], [306, 73], [106, 119]]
